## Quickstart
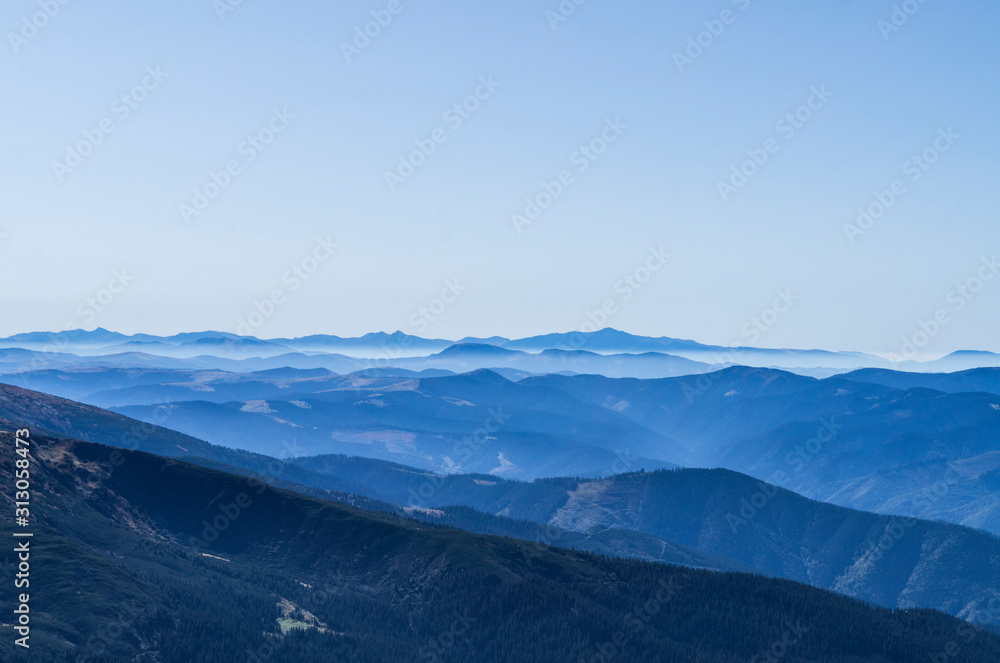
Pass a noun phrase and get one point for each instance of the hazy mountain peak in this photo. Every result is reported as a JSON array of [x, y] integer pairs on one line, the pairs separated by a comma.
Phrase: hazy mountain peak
[[476, 348]]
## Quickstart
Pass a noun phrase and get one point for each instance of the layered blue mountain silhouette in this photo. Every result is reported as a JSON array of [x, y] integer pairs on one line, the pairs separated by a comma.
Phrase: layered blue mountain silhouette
[[497, 456]]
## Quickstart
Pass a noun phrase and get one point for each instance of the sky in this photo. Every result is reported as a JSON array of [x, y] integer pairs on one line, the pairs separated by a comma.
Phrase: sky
[[692, 170]]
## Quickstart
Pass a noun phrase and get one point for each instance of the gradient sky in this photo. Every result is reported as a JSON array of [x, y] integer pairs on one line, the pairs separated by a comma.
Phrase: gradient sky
[[655, 186]]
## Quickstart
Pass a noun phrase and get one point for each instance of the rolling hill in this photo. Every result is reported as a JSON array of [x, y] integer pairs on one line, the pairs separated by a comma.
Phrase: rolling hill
[[891, 561], [175, 562]]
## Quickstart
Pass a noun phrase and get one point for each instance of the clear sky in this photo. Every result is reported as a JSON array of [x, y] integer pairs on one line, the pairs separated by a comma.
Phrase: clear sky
[[669, 119]]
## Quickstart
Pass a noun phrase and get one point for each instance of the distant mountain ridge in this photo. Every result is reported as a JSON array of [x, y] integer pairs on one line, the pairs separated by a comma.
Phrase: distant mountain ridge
[[976, 379], [396, 346]]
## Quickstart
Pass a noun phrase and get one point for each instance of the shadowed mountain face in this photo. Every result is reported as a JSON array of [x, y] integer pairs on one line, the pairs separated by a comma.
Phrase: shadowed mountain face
[[43, 412], [977, 379], [181, 563], [65, 418], [712, 519], [914, 452], [887, 560]]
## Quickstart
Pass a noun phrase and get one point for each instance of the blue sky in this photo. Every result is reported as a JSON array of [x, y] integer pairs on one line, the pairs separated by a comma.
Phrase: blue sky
[[552, 90]]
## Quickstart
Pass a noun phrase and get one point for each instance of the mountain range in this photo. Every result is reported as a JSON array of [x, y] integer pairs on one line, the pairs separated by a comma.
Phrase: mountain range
[[666, 355], [894, 444], [713, 519], [408, 476], [228, 567]]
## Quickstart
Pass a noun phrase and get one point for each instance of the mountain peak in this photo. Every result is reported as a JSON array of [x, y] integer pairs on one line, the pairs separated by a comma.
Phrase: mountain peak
[[973, 353], [475, 348]]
